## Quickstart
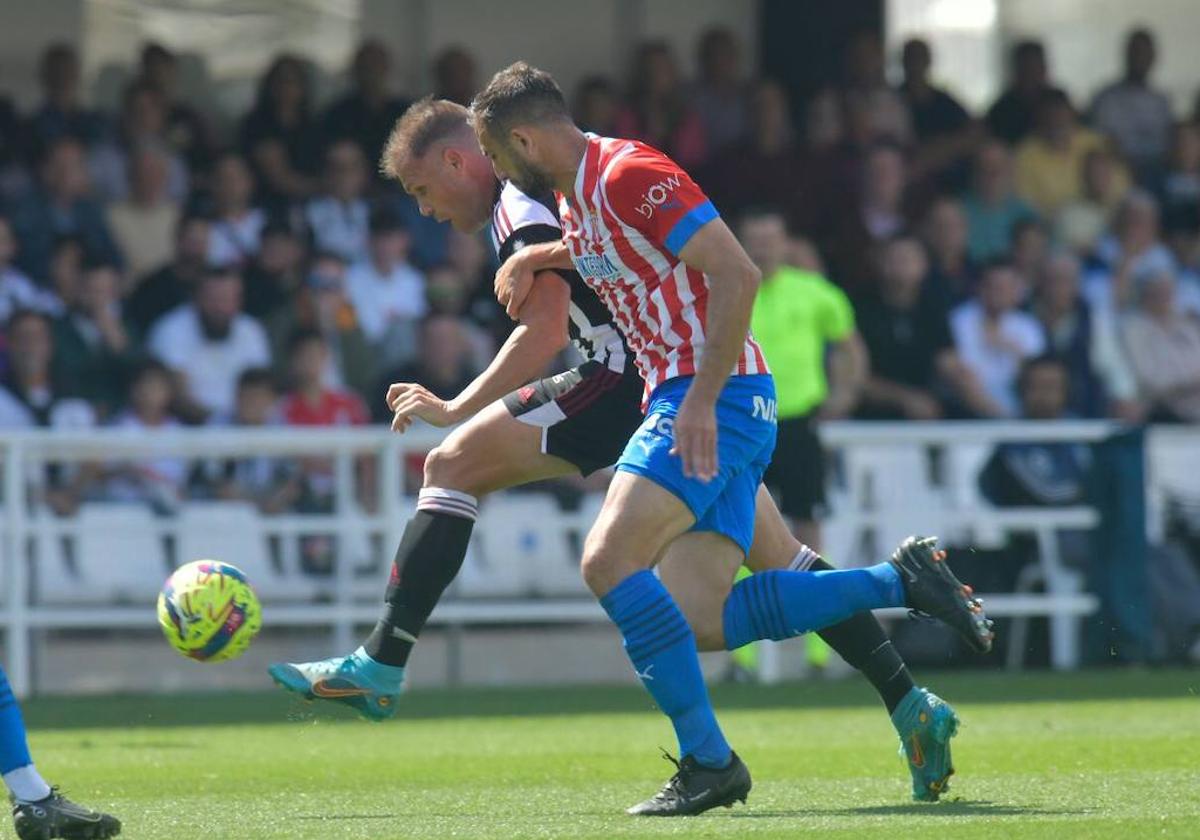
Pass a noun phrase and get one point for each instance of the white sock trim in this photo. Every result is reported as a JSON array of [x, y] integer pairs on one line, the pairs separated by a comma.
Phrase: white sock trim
[[452, 502], [26, 784], [803, 560]]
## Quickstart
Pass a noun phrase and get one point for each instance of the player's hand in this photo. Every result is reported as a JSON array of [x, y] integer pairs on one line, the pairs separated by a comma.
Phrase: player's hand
[[408, 401], [696, 438], [514, 280]]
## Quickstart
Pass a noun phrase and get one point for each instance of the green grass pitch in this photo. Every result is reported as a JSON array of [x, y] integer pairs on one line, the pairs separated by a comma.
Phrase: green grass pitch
[[1095, 755]]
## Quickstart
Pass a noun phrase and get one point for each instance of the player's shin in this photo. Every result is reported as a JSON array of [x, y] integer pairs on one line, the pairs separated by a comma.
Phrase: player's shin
[[16, 766], [430, 555], [662, 648], [862, 642]]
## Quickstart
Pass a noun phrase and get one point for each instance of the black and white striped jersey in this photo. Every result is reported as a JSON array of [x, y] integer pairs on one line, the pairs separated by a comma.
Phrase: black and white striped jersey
[[518, 221]]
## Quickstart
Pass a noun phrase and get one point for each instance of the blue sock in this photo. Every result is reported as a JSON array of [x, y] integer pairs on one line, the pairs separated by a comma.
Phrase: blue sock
[[387, 677], [14, 748], [660, 643], [779, 605]]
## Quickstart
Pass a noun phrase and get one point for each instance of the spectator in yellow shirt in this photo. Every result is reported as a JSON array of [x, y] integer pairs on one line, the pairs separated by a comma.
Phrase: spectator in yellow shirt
[[1050, 161]]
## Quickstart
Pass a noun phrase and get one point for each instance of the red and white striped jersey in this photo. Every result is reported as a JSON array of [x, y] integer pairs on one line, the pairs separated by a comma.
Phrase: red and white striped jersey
[[632, 211]]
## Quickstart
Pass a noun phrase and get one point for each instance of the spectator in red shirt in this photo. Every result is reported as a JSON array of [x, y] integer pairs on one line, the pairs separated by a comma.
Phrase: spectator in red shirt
[[310, 402]]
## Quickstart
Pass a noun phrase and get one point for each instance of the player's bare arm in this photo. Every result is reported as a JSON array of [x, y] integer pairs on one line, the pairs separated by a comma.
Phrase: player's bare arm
[[849, 367], [541, 334], [514, 279], [733, 284]]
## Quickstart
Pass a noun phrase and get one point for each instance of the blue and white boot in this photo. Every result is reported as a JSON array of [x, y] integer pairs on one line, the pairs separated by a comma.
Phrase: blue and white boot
[[358, 681]]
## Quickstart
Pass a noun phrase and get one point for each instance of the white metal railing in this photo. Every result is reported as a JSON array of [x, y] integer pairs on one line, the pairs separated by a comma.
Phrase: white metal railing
[[876, 498]]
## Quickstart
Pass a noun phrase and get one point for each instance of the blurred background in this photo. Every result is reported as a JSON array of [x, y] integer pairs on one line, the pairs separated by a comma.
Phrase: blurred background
[[984, 215]]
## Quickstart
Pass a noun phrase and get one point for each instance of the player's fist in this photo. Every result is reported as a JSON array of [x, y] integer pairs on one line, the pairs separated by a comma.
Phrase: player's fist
[[696, 439], [408, 401]]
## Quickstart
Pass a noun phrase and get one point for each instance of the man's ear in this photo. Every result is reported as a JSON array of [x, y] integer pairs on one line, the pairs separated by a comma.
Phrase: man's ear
[[453, 158], [523, 139]]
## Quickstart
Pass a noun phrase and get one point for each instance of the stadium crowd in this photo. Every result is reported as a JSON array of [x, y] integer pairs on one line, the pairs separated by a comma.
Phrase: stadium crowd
[[154, 274]]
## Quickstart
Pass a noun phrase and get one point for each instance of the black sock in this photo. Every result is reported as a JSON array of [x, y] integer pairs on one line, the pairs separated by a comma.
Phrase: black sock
[[860, 641], [430, 554]]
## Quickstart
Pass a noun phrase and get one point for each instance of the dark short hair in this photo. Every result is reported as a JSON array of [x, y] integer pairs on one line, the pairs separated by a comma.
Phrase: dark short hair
[[385, 220], [277, 227], [256, 377], [327, 255], [1028, 49], [99, 262], [427, 121], [153, 50], [1022, 226], [1044, 360], [520, 93], [151, 367], [303, 336], [995, 264], [1053, 98], [217, 274], [68, 240]]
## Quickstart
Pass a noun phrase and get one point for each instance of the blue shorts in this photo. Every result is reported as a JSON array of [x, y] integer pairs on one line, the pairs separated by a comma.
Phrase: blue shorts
[[745, 440]]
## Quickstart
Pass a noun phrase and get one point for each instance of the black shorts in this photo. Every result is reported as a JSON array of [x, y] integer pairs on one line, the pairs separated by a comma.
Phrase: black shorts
[[587, 414], [796, 476]]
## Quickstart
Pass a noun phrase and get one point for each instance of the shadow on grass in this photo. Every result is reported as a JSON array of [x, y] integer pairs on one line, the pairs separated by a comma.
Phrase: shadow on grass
[[962, 688], [949, 808]]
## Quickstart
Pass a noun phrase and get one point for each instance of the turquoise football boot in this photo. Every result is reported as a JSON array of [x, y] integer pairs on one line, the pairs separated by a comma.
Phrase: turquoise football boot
[[926, 724], [357, 681]]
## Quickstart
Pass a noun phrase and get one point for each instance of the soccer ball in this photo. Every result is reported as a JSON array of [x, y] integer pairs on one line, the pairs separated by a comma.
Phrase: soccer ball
[[208, 611]]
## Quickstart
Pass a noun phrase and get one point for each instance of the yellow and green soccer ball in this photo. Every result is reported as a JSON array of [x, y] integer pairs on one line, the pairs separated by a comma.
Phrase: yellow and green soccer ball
[[208, 611]]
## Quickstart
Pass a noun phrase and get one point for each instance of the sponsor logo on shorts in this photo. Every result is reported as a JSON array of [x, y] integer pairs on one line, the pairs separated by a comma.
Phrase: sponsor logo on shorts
[[526, 394], [654, 430], [763, 408]]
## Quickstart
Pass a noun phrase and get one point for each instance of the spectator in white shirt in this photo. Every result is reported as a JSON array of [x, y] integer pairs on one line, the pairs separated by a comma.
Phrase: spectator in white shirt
[[388, 294], [30, 397], [1134, 114], [1133, 248], [339, 218], [1163, 344], [994, 338], [160, 481], [237, 227], [208, 343]]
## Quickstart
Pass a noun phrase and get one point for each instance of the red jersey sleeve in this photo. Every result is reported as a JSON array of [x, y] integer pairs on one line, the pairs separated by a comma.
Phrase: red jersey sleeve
[[650, 192]]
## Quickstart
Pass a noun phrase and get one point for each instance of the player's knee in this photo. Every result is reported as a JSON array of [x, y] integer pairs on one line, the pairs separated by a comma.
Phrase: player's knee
[[602, 565], [708, 627], [596, 571], [446, 467]]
